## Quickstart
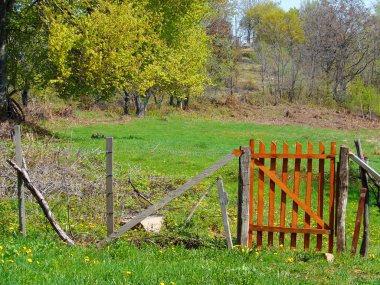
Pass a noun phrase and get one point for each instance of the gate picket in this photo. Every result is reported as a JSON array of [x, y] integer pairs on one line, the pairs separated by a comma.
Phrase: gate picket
[[321, 185], [272, 186], [283, 194], [309, 181], [260, 198], [297, 169]]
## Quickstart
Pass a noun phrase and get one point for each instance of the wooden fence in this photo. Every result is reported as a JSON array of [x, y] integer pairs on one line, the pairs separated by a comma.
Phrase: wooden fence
[[296, 184]]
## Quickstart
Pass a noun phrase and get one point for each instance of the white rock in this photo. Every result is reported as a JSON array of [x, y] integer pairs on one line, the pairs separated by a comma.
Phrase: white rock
[[329, 257]]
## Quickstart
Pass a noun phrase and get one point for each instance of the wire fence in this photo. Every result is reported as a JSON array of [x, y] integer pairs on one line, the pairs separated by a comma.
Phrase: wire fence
[[72, 180]]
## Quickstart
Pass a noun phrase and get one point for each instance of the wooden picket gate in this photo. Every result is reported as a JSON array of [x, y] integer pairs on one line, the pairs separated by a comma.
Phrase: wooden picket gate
[[303, 185]]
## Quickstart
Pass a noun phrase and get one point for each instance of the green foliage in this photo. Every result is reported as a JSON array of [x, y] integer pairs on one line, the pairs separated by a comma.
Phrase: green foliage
[[130, 45], [364, 99]]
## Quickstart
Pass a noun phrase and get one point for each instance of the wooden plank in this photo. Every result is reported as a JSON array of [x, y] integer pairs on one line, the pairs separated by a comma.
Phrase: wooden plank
[[42, 202], [109, 184], [223, 198], [297, 178], [283, 193], [332, 196], [321, 186], [20, 190], [243, 196], [290, 193], [309, 181], [174, 194], [364, 165], [292, 156], [364, 179], [260, 199], [289, 230], [251, 193], [343, 194], [358, 220], [272, 187]]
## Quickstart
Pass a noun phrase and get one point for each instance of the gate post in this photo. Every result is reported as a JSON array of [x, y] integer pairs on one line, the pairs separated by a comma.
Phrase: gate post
[[243, 197], [342, 199]]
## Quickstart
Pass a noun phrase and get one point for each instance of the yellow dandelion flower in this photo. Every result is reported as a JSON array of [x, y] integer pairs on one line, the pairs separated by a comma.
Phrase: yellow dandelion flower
[[11, 261], [371, 256], [28, 250], [17, 253], [1, 247], [129, 273], [275, 253], [160, 251], [162, 283], [86, 258], [290, 260], [29, 260], [24, 247], [281, 246], [11, 228]]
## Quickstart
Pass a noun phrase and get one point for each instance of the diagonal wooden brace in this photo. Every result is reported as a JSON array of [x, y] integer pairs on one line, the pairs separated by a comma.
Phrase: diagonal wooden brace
[[291, 194]]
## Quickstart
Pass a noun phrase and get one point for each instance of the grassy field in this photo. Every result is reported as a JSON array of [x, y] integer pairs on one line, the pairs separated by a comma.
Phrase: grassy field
[[178, 148]]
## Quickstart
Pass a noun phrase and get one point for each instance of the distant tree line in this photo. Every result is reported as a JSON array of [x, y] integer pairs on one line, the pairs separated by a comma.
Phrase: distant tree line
[[326, 51], [141, 49]]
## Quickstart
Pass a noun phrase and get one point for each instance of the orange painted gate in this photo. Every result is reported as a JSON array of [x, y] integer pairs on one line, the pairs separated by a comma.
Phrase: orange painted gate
[[294, 201]]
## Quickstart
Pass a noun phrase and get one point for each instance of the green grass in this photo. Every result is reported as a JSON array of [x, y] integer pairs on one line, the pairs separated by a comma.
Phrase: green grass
[[179, 148], [182, 147], [54, 263]]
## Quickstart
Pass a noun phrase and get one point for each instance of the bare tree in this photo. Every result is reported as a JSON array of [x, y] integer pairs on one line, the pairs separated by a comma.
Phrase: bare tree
[[338, 37]]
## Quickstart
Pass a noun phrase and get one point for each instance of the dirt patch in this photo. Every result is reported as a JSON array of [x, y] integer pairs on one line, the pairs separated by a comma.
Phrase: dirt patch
[[291, 114], [320, 117]]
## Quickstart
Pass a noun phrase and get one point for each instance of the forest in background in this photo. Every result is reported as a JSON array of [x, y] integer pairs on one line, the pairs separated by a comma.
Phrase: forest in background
[[174, 51]]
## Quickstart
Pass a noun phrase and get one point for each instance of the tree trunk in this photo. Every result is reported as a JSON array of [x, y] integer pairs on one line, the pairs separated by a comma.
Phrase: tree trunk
[[127, 100], [140, 108], [25, 94], [171, 101], [4, 100], [186, 102]]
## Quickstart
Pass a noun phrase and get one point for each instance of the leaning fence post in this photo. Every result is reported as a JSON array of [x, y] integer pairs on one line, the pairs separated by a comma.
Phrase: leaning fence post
[[243, 197], [359, 215], [20, 190], [364, 179], [109, 191], [342, 199], [223, 198]]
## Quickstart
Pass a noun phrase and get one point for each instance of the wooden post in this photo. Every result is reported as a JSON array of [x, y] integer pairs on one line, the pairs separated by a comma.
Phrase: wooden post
[[342, 204], [109, 192], [358, 221], [365, 239], [223, 198], [243, 197], [20, 190]]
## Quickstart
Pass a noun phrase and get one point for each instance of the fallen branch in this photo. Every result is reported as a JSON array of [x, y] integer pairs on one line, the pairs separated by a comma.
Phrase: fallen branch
[[138, 192], [42, 202]]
